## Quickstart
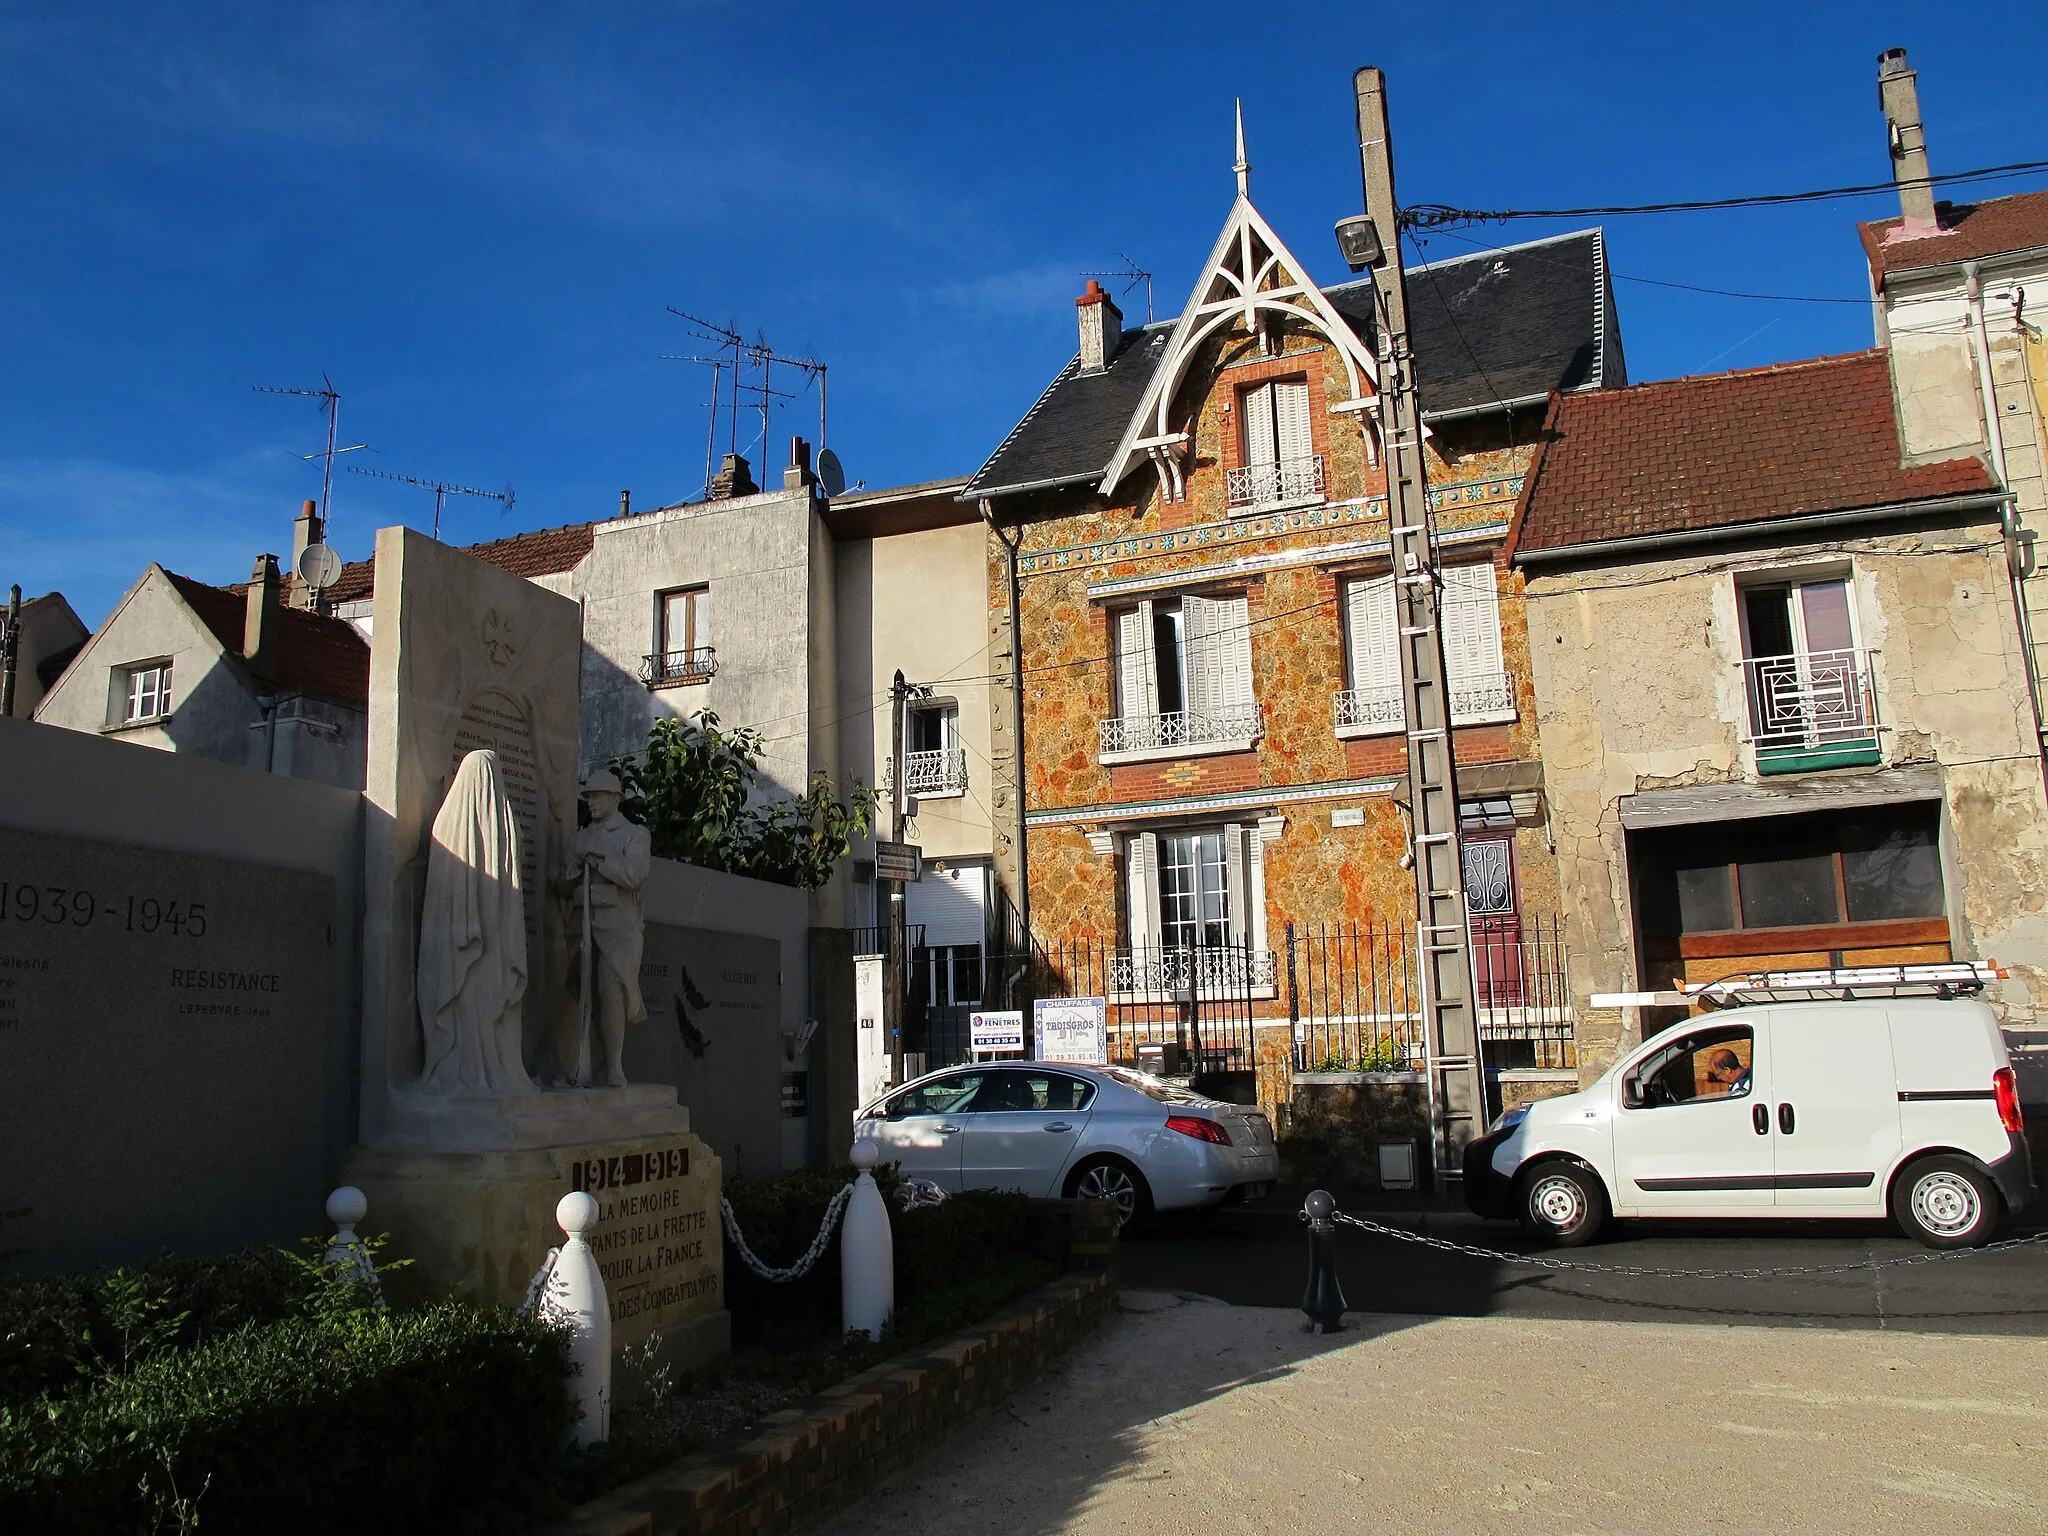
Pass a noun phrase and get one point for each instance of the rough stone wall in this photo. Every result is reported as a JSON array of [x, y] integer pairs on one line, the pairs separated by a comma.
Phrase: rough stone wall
[[1639, 686], [1291, 565]]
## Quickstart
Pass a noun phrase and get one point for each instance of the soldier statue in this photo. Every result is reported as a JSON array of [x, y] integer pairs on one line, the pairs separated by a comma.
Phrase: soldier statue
[[607, 867]]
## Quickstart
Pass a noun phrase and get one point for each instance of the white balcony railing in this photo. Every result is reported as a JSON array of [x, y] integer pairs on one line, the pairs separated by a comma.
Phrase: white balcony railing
[[1204, 972], [1821, 699], [1147, 733], [1258, 485], [940, 772], [1474, 700]]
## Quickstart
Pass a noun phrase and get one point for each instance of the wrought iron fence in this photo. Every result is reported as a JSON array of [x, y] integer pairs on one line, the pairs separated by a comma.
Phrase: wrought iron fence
[[1355, 997], [679, 666], [1181, 728], [1814, 700], [1254, 485]]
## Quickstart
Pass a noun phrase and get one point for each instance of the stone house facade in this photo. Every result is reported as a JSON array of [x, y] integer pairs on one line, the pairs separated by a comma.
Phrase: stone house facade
[[1191, 526], [1782, 692]]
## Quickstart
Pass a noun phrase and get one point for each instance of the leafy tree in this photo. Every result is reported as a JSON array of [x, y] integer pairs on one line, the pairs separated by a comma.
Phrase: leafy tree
[[692, 787]]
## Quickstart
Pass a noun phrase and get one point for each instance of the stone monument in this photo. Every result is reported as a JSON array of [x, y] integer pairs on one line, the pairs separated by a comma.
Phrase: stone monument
[[469, 969]]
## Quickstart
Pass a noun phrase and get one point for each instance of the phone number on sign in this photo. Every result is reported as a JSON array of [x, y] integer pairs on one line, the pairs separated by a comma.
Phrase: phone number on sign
[[63, 905]]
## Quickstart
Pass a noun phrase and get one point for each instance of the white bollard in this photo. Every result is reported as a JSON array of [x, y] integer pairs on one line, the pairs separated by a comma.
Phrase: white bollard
[[575, 1295], [867, 1257], [346, 1208]]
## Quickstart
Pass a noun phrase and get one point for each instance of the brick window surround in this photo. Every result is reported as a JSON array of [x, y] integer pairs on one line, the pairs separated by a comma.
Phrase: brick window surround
[[1231, 384]]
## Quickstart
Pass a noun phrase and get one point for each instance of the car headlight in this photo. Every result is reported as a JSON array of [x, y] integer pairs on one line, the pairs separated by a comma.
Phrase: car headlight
[[1511, 1118]]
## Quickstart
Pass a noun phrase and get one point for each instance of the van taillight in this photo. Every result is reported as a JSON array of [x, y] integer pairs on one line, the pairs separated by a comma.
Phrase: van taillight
[[2006, 1089]]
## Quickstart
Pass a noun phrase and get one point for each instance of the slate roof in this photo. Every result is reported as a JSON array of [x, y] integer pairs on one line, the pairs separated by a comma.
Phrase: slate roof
[[1496, 326], [315, 654], [1723, 450], [543, 552], [1994, 227]]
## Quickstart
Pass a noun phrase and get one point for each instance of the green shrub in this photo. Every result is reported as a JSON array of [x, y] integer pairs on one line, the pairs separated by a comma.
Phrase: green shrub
[[60, 1333], [343, 1422]]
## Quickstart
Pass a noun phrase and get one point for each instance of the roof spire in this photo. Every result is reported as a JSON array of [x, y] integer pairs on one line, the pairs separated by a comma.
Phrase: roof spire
[[1243, 169]]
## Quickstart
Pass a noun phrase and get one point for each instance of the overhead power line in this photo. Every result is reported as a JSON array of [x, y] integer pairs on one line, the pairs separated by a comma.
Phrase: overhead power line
[[1439, 215], [1522, 253]]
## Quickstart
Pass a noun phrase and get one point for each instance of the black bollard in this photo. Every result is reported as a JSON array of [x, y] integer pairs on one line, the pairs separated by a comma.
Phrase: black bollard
[[1324, 1299]]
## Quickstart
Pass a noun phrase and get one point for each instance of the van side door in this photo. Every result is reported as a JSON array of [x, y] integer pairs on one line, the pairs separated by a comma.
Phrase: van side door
[[1691, 1134], [1834, 1107]]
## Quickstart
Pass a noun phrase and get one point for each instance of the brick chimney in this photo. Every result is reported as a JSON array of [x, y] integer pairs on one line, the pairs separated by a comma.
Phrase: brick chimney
[[1102, 328], [259, 624], [1898, 92], [308, 529], [735, 477]]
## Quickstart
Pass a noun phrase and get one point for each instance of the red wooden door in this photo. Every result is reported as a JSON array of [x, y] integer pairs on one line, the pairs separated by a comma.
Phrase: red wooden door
[[1493, 902]]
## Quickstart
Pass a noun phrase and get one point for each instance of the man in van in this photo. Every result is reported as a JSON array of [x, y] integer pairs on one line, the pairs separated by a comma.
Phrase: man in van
[[1727, 1070]]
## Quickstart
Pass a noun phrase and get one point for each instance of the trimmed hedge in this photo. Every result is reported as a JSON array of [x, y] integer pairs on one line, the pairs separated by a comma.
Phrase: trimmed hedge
[[937, 1247], [60, 1333], [346, 1423]]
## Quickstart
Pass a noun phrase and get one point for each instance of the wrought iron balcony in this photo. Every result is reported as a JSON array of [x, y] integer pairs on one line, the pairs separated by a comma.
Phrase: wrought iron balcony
[[679, 666], [1811, 711], [941, 772], [1369, 711], [1147, 733], [1201, 972], [1259, 485], [1480, 698]]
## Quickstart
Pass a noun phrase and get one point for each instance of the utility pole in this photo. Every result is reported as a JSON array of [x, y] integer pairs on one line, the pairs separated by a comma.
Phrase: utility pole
[[1457, 1087], [893, 977], [10, 651]]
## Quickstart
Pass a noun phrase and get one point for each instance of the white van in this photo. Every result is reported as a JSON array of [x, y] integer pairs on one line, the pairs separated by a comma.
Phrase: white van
[[1904, 1106]]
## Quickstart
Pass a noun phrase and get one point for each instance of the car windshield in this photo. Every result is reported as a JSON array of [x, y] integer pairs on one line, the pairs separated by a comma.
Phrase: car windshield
[[1152, 1087]]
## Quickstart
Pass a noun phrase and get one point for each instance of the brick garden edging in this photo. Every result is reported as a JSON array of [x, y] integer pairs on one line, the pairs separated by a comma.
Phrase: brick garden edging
[[820, 1455]]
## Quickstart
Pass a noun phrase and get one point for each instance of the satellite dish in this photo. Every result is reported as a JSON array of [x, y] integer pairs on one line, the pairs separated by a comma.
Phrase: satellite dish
[[319, 566], [830, 473]]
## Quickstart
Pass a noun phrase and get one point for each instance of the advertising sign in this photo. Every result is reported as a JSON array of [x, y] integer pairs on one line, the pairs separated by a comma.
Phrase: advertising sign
[[996, 1031], [1072, 1029], [898, 861]]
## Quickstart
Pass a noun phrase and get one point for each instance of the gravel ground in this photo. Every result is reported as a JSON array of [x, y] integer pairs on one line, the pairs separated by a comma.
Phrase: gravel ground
[[1185, 1414]]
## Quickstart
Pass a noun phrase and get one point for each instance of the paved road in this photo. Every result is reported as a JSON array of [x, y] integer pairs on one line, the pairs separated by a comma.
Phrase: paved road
[[1198, 1417], [1259, 1258]]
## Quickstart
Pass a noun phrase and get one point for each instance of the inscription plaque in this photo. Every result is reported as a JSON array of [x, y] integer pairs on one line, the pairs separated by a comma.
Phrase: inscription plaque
[[657, 1239], [495, 723]]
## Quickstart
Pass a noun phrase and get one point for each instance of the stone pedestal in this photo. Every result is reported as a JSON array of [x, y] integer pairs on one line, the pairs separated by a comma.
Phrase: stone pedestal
[[468, 1188]]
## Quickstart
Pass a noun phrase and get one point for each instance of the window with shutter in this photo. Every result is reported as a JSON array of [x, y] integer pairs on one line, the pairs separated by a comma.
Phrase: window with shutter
[[1280, 459], [1136, 697], [1373, 701], [1260, 446], [1290, 421], [1193, 910], [1183, 677], [1477, 672]]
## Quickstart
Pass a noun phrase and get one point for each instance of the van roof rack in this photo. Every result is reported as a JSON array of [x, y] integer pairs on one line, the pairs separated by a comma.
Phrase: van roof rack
[[1962, 978]]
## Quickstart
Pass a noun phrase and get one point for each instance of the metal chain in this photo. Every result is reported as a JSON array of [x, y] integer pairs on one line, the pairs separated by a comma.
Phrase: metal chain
[[538, 1302], [1638, 1271], [811, 1255]]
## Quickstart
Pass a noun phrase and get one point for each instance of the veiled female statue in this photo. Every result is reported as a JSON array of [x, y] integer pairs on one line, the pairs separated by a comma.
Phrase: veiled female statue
[[472, 957]]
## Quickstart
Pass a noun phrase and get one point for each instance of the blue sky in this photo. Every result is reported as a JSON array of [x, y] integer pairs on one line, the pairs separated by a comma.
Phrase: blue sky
[[474, 216]]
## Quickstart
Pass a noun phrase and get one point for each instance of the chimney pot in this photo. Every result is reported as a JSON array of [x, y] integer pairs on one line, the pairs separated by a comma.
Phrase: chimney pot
[[259, 621], [1102, 328], [798, 474], [1898, 92]]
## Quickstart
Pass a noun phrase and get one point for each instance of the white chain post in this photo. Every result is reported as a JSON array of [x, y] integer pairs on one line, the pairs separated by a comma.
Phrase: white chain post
[[867, 1257], [574, 1294], [346, 1208]]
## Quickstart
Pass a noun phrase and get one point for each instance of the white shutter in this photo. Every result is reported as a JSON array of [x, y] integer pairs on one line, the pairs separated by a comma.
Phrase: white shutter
[[1290, 420], [1219, 654], [1257, 403], [949, 907], [1471, 627], [1136, 697], [1375, 652], [1141, 891]]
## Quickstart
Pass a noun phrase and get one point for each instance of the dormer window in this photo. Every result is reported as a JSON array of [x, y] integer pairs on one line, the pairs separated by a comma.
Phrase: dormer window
[[1280, 462]]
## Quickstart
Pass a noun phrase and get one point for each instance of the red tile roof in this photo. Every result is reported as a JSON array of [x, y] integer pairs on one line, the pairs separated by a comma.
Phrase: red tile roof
[[1990, 228], [543, 552], [315, 654], [1724, 449]]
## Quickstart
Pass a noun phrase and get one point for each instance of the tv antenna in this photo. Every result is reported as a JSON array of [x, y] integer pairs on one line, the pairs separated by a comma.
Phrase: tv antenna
[[744, 356], [330, 407], [442, 489], [1133, 274]]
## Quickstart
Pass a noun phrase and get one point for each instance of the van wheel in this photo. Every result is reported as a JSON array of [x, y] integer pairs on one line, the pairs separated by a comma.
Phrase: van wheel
[[1946, 1202], [1563, 1202]]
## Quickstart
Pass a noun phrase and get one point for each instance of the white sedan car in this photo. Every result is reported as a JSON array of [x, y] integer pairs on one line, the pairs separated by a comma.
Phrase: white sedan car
[[1101, 1133]]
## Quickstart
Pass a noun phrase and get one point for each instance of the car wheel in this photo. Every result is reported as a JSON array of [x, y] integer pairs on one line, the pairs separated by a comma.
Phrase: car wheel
[[1945, 1202], [1111, 1178], [1563, 1202]]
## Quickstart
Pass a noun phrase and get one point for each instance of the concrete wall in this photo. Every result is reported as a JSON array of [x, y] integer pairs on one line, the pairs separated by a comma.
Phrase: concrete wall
[[1639, 686], [214, 710], [166, 1141]]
